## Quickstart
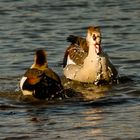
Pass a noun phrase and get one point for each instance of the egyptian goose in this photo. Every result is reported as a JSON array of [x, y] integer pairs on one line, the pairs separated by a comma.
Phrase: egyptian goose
[[40, 81], [85, 60]]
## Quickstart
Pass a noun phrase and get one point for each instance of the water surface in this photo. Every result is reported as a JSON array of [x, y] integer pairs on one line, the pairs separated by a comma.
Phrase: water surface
[[112, 112]]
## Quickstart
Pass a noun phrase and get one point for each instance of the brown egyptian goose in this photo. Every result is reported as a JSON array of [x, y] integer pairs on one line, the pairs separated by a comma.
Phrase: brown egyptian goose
[[41, 81], [85, 60]]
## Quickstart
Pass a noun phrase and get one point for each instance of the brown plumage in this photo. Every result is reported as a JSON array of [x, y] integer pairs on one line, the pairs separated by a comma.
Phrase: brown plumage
[[78, 49], [83, 65], [41, 81]]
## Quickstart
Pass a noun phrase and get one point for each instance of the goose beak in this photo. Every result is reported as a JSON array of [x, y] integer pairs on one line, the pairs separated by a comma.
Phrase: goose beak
[[97, 49]]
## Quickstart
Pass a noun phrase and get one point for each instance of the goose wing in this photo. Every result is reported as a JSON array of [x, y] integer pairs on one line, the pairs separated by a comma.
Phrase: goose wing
[[77, 51], [79, 41], [37, 75]]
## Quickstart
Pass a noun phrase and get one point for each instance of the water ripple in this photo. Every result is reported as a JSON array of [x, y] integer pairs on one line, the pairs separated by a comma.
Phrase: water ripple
[[28, 25]]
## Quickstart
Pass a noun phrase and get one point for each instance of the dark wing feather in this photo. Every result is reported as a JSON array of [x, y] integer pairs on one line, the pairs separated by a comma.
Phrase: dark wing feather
[[33, 73], [77, 51], [49, 85], [50, 73], [79, 41], [36, 73]]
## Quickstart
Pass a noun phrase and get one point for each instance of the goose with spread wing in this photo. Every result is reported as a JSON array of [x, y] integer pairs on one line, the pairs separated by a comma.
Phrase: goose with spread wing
[[85, 60]]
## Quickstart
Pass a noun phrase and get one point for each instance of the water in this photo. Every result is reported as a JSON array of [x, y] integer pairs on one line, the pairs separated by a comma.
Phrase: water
[[111, 112]]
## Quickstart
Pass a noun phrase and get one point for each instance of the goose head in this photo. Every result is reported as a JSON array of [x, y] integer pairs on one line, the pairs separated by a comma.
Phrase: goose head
[[94, 38], [40, 60]]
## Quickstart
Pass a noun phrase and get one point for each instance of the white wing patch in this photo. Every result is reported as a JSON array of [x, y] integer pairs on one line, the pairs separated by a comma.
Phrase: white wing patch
[[25, 92], [22, 82], [70, 61]]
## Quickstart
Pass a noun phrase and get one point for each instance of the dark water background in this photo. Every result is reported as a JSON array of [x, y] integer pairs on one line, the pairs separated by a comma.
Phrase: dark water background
[[25, 25]]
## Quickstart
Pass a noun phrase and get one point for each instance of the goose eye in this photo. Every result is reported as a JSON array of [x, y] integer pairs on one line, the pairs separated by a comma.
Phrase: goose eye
[[94, 37]]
